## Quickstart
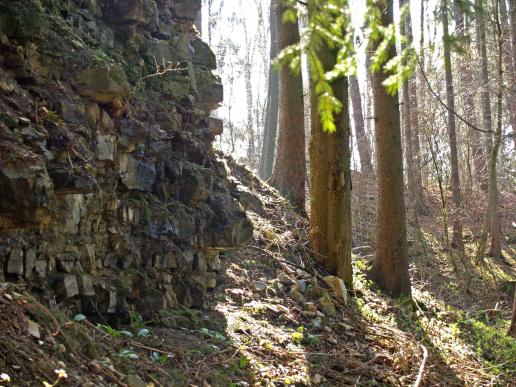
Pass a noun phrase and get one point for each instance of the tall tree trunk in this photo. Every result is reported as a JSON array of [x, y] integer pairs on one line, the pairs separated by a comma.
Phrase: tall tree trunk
[[409, 122], [390, 266], [512, 328], [492, 217], [466, 80], [512, 18], [251, 139], [271, 114], [418, 170], [288, 175], [330, 181], [457, 241], [364, 147], [484, 80]]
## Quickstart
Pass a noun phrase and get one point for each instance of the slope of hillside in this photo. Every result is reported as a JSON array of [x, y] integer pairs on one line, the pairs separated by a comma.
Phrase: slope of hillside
[[271, 319]]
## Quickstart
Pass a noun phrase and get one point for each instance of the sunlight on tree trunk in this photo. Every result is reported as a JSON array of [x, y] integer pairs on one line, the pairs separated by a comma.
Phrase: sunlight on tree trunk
[[390, 266], [330, 182]]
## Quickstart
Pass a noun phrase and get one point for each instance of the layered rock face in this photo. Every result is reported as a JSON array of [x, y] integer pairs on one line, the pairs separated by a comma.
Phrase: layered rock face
[[111, 197]]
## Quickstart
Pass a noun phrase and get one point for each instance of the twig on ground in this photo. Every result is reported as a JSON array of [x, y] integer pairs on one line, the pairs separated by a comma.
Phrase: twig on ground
[[419, 378]]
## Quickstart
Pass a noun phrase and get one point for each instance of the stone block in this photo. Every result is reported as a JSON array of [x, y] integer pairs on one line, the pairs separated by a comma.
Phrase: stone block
[[137, 174], [67, 286], [15, 262], [106, 147], [30, 262], [86, 285], [103, 84], [75, 208]]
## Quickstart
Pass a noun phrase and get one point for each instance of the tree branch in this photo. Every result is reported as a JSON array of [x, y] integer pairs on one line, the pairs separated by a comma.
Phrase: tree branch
[[472, 126]]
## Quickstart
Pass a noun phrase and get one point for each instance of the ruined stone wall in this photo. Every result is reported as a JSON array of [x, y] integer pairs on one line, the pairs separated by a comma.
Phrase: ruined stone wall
[[111, 197]]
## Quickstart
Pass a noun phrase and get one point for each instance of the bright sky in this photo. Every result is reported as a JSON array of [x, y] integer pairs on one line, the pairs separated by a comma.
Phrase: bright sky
[[230, 27]]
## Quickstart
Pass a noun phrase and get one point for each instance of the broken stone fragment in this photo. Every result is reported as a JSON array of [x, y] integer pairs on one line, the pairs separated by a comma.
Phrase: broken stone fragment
[[137, 174], [259, 286], [338, 287], [106, 147], [75, 209], [41, 268], [326, 304], [203, 55], [24, 178], [30, 262], [141, 12], [33, 329], [86, 285], [15, 262], [112, 302], [166, 261], [67, 286], [103, 84]]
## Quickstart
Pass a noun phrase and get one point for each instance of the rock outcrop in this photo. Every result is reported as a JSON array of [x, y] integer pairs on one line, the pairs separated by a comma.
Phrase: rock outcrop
[[111, 197]]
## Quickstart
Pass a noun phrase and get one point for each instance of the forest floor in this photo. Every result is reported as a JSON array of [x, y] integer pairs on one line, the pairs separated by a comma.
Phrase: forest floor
[[273, 320]]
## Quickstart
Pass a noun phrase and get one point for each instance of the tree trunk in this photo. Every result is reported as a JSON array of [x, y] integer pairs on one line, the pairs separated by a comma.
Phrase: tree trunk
[[364, 147], [512, 328], [492, 217], [330, 181], [271, 114], [409, 122], [418, 170], [289, 169], [512, 18], [466, 80], [450, 100], [484, 84], [390, 266]]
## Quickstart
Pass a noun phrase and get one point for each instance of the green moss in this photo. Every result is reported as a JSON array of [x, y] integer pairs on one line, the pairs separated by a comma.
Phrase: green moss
[[23, 20], [490, 342], [183, 317]]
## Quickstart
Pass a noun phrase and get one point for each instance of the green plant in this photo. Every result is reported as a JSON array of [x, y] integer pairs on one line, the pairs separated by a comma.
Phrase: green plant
[[127, 354], [216, 336]]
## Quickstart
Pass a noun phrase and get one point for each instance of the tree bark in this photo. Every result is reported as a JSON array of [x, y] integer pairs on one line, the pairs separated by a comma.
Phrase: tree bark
[[364, 147], [409, 123], [492, 216], [484, 84], [466, 80], [330, 181], [271, 114], [289, 169], [457, 241], [390, 266], [512, 18], [512, 328]]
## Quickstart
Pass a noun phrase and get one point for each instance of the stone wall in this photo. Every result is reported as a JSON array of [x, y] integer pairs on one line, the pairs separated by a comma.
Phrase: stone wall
[[111, 197]]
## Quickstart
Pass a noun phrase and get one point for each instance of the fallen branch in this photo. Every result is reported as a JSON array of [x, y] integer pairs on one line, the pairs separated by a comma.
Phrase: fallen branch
[[421, 367]]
